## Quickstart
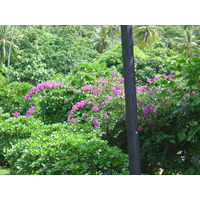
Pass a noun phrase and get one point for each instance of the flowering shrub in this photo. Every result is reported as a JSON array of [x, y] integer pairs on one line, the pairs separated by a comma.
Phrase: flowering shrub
[[41, 86], [30, 111], [160, 106], [168, 116]]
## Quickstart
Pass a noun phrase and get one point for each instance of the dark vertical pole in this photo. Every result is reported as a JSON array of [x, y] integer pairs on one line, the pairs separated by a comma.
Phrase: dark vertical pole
[[130, 97]]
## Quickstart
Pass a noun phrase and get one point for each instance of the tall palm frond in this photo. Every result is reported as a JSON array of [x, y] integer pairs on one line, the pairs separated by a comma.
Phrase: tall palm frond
[[188, 44], [101, 40], [146, 36], [5, 42]]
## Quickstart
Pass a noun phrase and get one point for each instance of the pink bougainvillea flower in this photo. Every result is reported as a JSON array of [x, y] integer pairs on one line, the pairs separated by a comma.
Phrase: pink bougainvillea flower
[[187, 95], [16, 114], [94, 92], [96, 123], [148, 109], [108, 97], [105, 114], [140, 128], [121, 80], [103, 104], [85, 115], [73, 120], [95, 108], [113, 74], [150, 91], [145, 117], [41, 86], [30, 111], [140, 102], [153, 79], [165, 104], [140, 89]]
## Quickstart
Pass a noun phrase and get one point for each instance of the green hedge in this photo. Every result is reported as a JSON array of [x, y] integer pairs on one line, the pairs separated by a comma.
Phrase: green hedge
[[63, 153]]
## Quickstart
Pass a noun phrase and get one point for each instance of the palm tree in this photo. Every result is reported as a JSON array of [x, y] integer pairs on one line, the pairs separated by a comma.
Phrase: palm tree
[[101, 40], [187, 44], [113, 32], [187, 27], [146, 36], [5, 43]]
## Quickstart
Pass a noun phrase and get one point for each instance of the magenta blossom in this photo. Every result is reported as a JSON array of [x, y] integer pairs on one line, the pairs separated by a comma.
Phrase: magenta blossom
[[140, 89], [103, 104], [187, 95], [101, 81], [96, 123], [95, 108], [108, 97], [153, 79], [165, 104], [140, 128], [145, 117], [141, 102], [148, 109], [16, 114], [150, 91], [41, 86], [105, 114], [30, 111], [73, 120], [85, 115], [113, 74], [121, 80]]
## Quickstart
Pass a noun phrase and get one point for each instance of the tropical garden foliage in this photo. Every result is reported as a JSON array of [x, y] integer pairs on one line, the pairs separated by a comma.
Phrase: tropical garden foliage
[[62, 107]]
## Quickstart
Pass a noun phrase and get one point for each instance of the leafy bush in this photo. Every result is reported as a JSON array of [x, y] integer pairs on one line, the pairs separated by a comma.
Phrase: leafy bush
[[162, 106], [56, 103], [11, 96], [14, 129], [2, 79], [65, 152]]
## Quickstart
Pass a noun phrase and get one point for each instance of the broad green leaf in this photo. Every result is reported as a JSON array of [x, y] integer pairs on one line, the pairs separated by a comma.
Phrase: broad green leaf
[[182, 135], [192, 133]]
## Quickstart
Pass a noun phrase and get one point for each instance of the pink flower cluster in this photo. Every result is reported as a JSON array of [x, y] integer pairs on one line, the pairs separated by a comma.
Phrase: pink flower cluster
[[75, 107], [16, 114], [186, 95], [148, 109], [96, 123], [140, 102], [140, 89], [92, 88], [150, 91], [121, 80], [117, 90], [153, 79], [101, 81], [95, 108], [41, 86], [113, 74], [30, 111], [169, 76]]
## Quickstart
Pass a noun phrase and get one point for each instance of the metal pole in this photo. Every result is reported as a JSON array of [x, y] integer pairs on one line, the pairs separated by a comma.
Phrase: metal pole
[[130, 98]]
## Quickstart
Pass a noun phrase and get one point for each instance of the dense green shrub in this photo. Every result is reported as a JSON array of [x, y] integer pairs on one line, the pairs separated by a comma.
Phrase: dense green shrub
[[2, 79], [56, 103], [32, 74], [14, 129], [11, 96], [64, 152]]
